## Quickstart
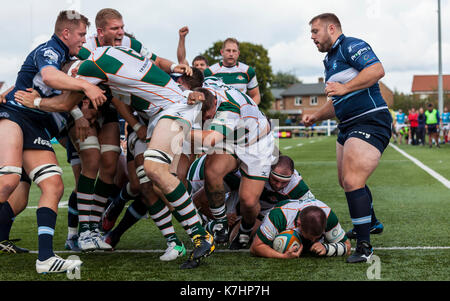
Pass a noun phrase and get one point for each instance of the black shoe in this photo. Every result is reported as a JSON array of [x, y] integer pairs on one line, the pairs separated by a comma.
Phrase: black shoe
[[8, 246], [219, 228], [111, 239], [111, 214], [190, 264], [241, 241], [377, 228], [363, 253], [203, 246]]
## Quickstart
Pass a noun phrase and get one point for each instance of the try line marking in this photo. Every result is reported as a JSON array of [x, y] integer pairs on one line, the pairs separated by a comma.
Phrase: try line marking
[[423, 166], [247, 251]]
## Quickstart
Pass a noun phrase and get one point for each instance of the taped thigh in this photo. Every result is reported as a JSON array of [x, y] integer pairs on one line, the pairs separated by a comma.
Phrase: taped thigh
[[10, 170], [88, 143], [110, 148], [45, 171], [158, 156]]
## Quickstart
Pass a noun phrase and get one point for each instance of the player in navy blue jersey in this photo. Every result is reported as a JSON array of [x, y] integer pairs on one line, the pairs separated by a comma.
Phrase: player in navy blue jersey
[[26, 132], [352, 71]]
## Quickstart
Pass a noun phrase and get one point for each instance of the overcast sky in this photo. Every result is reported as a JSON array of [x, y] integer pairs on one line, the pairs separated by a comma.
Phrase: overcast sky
[[403, 33]]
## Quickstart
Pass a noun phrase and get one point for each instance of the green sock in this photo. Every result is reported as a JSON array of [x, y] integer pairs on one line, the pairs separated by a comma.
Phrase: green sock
[[183, 205], [162, 217]]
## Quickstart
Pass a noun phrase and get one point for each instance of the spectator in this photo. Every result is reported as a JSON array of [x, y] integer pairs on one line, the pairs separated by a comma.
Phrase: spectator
[[421, 119], [413, 125], [432, 124]]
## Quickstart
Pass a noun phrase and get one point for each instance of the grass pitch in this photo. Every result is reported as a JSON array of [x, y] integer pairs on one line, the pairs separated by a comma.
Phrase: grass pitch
[[412, 205]]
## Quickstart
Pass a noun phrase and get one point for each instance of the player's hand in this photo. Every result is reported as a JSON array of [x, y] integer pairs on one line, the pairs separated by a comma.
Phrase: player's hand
[[27, 97], [295, 253], [183, 31], [195, 97], [2, 98], [95, 94], [318, 248], [142, 133], [88, 113], [183, 69], [82, 126], [335, 89], [308, 120]]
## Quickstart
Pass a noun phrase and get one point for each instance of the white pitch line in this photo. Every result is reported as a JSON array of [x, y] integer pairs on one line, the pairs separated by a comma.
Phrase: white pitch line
[[300, 144], [434, 174], [287, 147], [246, 250], [60, 205]]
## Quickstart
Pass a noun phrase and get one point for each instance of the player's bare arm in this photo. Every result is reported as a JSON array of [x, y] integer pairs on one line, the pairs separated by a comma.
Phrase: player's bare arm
[[255, 95], [58, 80], [365, 79], [181, 50], [125, 111], [324, 113], [259, 248]]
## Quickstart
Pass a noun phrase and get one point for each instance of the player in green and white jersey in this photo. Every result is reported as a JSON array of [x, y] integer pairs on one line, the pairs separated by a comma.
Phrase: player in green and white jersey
[[235, 73], [244, 132], [317, 224]]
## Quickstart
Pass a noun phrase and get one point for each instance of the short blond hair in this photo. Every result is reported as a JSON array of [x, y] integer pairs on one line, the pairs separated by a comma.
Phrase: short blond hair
[[69, 19], [230, 40], [104, 15]]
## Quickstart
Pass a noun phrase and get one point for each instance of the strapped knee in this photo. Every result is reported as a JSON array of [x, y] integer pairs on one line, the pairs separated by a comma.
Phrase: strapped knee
[[88, 143], [10, 170], [157, 156], [45, 171]]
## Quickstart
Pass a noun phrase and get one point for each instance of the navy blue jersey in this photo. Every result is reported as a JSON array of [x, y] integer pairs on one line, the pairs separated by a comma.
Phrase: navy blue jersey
[[347, 57], [51, 53]]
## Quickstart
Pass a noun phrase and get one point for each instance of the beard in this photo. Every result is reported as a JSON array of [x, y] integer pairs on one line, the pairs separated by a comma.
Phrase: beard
[[326, 45]]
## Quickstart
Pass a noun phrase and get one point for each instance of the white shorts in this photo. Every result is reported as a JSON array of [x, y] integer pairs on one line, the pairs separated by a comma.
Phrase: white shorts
[[256, 159], [446, 126], [187, 114], [399, 126], [135, 146]]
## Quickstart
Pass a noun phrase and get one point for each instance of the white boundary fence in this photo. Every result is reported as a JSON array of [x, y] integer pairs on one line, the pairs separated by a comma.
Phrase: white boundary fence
[[325, 128]]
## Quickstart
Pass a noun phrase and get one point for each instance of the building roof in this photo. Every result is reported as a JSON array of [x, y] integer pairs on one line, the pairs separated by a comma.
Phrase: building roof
[[276, 92], [302, 89], [429, 83]]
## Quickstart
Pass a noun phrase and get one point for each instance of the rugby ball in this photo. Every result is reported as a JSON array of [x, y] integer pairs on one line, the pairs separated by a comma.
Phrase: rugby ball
[[286, 240]]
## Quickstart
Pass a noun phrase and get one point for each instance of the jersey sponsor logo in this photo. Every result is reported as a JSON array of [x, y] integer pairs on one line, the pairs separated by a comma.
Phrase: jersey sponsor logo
[[51, 56], [239, 77], [360, 52], [41, 141], [350, 48], [4, 115], [334, 65]]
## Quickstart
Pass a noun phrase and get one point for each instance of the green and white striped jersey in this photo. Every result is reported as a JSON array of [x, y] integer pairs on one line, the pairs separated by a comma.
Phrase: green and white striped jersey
[[237, 115], [284, 217], [92, 43], [148, 88], [240, 76]]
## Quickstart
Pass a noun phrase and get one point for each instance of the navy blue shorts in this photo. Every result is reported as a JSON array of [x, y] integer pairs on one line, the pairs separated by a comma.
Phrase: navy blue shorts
[[33, 125], [374, 128], [72, 155], [432, 128]]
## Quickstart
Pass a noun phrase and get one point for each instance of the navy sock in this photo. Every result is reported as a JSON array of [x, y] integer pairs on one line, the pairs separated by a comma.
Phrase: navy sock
[[134, 213], [359, 207], [374, 218], [245, 227], [72, 215], [46, 221], [6, 220]]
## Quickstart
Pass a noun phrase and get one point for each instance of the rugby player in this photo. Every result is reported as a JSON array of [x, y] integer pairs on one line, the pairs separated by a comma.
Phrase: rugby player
[[317, 225], [352, 73], [235, 73], [27, 129]]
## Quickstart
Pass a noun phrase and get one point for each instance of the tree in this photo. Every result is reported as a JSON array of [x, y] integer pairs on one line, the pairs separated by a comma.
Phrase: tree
[[255, 56], [284, 79]]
